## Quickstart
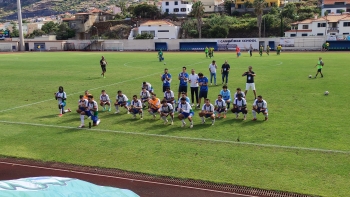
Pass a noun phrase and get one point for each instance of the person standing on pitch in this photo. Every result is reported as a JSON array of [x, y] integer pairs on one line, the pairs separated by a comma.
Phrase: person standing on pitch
[[268, 50], [206, 50], [251, 50], [160, 55], [212, 70], [166, 79], [250, 81], [225, 69], [319, 65], [183, 77], [103, 64], [203, 91], [261, 49], [193, 80], [238, 51]]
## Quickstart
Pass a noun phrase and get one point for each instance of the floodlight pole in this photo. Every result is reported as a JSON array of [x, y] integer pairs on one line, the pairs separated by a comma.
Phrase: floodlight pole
[[20, 29]]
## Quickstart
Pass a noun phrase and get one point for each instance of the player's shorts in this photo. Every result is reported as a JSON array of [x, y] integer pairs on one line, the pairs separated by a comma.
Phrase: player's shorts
[[262, 111], [171, 102], [208, 115], [243, 110], [183, 89], [135, 111], [203, 94], [165, 87], [103, 68], [154, 110], [166, 114], [94, 118], [82, 108], [239, 54], [250, 85], [319, 70], [104, 102], [186, 115], [144, 100], [220, 110], [227, 100], [122, 103], [63, 104]]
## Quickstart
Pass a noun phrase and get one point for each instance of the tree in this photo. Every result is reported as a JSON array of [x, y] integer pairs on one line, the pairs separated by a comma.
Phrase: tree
[[146, 11], [259, 6], [198, 12], [290, 11], [219, 31], [50, 27], [64, 32], [15, 32], [122, 5], [144, 36], [227, 6]]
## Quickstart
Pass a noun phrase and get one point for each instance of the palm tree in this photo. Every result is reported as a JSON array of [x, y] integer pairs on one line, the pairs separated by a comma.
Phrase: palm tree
[[259, 6], [198, 12]]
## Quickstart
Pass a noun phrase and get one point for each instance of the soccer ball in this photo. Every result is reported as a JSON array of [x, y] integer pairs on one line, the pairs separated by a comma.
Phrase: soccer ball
[[310, 76], [326, 93]]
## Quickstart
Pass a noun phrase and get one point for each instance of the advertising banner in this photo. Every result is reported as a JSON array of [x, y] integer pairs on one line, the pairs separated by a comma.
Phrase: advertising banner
[[4, 34], [232, 43], [287, 42]]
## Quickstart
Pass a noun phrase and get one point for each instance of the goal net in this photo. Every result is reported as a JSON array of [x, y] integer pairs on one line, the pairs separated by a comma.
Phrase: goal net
[[113, 46], [5, 47]]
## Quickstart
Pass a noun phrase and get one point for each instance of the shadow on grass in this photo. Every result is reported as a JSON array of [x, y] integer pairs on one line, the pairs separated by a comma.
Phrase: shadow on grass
[[92, 78], [48, 116]]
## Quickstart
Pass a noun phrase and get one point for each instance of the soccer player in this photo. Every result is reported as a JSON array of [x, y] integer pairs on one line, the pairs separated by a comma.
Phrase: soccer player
[[86, 94], [207, 112], [212, 70], [206, 50], [154, 105], [279, 48], [220, 106], [203, 90], [165, 110], [268, 50], [260, 105], [212, 51], [261, 49], [239, 91], [61, 98], [183, 77], [185, 111], [183, 95], [225, 69], [238, 51], [250, 81], [193, 79], [169, 97], [103, 64], [251, 50], [144, 96], [148, 87], [226, 95], [160, 55], [240, 105], [104, 100], [91, 111], [166, 79], [136, 107], [82, 104], [319, 65], [121, 101]]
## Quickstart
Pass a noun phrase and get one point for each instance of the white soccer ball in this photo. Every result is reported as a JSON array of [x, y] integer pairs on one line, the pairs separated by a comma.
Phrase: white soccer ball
[[326, 93], [310, 76]]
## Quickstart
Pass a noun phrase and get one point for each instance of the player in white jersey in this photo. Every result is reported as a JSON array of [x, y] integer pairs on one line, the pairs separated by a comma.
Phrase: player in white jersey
[[240, 105], [82, 104], [207, 112], [165, 110], [104, 100], [136, 107], [183, 95], [61, 98], [169, 96], [148, 87], [260, 105], [144, 96], [239, 91], [91, 111], [185, 111], [220, 106], [121, 101]]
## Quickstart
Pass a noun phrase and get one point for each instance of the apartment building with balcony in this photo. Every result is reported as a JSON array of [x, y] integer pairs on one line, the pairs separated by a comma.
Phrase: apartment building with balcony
[[336, 25], [179, 8], [335, 7]]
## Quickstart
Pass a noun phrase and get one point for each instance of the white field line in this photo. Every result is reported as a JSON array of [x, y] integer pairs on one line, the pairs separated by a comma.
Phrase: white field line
[[122, 178], [185, 138], [5, 110]]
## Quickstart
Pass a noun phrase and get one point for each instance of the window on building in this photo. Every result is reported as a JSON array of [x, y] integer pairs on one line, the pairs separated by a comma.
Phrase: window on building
[[305, 26], [183, 9], [320, 34], [303, 34], [184, 2], [209, 6], [346, 24], [176, 3], [166, 3], [293, 35], [328, 11], [167, 10], [339, 3], [321, 24], [340, 11], [345, 33], [176, 9], [163, 30]]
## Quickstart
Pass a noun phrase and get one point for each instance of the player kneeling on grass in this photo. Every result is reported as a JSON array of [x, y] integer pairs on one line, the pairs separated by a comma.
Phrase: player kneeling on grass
[[82, 104], [61, 97], [185, 111], [240, 105], [154, 105], [121, 101], [220, 106], [136, 107], [91, 110], [104, 100], [165, 110], [260, 105], [207, 112]]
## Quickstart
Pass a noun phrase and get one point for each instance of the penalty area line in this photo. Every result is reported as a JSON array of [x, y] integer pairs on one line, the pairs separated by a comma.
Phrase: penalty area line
[[186, 138]]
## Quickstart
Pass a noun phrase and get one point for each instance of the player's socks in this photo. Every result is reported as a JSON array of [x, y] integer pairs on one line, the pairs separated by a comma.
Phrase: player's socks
[[164, 118], [109, 108], [183, 121], [212, 121], [203, 121], [82, 119], [228, 105], [254, 113]]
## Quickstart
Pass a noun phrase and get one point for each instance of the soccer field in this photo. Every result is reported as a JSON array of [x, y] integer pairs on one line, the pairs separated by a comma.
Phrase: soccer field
[[303, 147]]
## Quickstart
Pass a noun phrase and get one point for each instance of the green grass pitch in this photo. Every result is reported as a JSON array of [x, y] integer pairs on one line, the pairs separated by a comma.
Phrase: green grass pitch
[[304, 147]]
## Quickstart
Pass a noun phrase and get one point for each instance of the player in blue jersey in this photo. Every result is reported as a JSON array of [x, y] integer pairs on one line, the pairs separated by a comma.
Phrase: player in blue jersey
[[183, 77], [166, 79], [226, 95], [203, 90], [185, 111]]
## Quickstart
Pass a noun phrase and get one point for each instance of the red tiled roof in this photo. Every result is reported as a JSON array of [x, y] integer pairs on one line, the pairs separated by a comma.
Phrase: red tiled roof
[[331, 2], [329, 18], [157, 22]]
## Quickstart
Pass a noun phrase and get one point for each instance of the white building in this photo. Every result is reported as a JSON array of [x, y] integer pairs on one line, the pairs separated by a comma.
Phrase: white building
[[176, 7], [335, 6], [337, 25], [160, 29]]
